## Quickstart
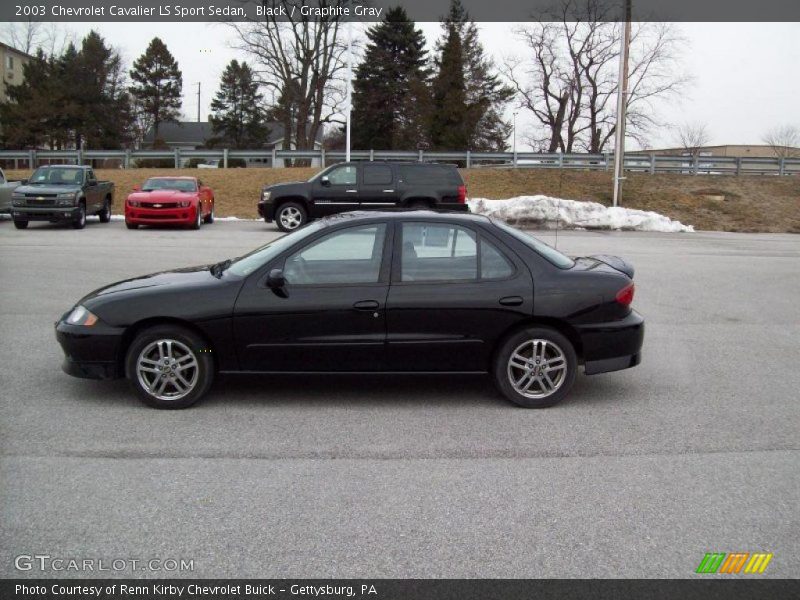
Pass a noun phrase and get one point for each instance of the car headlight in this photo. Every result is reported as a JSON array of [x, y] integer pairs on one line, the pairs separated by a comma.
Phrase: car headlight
[[265, 195], [18, 200], [135, 203], [70, 195], [81, 316], [65, 202], [185, 203]]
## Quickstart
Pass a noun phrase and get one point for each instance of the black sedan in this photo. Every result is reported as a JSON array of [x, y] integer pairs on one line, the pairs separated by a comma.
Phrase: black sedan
[[403, 292]]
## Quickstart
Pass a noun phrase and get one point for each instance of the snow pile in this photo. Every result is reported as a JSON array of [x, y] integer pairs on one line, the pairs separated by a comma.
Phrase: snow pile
[[544, 211]]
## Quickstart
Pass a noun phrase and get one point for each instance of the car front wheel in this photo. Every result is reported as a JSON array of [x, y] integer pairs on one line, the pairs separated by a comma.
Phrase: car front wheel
[[169, 367], [535, 368], [290, 216]]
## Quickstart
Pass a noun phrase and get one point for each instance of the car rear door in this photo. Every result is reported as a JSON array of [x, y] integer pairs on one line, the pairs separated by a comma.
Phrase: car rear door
[[455, 290], [378, 187], [330, 316]]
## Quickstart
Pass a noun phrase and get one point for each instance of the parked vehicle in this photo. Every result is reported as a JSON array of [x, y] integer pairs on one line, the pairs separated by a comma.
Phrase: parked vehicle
[[363, 186], [209, 164], [170, 201], [366, 292], [6, 189], [62, 194]]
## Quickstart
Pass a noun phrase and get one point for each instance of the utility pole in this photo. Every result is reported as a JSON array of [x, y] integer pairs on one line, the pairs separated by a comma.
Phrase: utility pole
[[622, 105], [198, 101], [349, 108]]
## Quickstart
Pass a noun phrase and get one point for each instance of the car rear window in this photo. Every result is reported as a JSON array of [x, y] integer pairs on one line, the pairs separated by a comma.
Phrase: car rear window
[[430, 175], [547, 252]]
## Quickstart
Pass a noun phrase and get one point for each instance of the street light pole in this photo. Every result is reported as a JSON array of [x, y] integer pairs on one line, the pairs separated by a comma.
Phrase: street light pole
[[349, 85], [622, 104], [514, 137], [198, 101]]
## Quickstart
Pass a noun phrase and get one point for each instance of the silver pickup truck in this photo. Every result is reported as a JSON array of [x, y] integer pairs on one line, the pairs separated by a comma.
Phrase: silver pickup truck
[[6, 189], [62, 194]]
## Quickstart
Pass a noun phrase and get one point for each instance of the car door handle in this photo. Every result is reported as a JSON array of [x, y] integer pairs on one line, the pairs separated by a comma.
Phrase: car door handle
[[388, 191], [511, 300], [351, 191], [366, 305]]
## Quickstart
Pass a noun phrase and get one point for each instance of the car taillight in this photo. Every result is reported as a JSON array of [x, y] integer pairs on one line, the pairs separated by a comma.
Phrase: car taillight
[[625, 295], [462, 194]]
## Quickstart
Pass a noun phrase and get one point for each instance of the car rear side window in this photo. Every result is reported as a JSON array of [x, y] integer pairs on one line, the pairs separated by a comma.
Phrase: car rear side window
[[429, 175], [347, 256], [493, 264], [438, 252], [377, 175]]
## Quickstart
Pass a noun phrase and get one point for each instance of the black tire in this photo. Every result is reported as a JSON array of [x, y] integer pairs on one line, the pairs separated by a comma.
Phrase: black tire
[[209, 218], [105, 212], [20, 224], [419, 205], [198, 219], [538, 339], [290, 216], [131, 225], [80, 221], [181, 339]]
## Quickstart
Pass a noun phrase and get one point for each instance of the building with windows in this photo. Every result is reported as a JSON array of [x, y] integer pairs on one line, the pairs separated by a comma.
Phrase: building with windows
[[11, 73]]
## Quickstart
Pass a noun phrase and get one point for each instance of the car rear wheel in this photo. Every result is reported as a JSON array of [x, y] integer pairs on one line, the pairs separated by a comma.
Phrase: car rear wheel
[[535, 367], [80, 221], [169, 367], [290, 216], [210, 216], [19, 224], [105, 213]]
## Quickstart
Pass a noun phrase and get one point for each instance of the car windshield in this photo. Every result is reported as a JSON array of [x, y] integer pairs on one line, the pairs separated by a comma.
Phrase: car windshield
[[179, 185], [551, 254], [244, 265], [57, 176]]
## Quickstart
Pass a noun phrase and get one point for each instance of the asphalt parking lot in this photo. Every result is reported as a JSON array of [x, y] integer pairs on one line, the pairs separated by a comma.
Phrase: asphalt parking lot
[[637, 474]]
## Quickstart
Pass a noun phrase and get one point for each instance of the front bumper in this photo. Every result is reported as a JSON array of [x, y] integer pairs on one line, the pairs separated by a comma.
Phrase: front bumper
[[613, 345], [90, 352], [161, 216], [54, 214], [266, 210]]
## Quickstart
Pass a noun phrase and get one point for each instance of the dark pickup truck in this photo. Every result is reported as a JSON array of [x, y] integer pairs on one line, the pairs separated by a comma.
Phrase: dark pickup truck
[[62, 194], [363, 186]]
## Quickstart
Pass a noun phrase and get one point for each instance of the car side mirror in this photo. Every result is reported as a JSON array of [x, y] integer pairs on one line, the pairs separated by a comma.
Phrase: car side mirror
[[276, 280], [137, 188], [325, 181]]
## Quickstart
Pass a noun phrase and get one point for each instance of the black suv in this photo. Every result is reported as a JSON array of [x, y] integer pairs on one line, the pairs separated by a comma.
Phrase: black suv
[[363, 186]]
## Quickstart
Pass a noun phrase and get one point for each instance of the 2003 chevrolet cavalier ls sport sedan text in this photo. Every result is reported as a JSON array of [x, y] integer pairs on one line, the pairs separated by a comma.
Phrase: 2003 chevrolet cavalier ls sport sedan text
[[402, 292]]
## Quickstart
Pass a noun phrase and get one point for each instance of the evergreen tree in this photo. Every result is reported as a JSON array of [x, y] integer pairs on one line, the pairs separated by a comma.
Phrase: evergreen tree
[[390, 89], [238, 118], [157, 84], [28, 119], [450, 113], [485, 95]]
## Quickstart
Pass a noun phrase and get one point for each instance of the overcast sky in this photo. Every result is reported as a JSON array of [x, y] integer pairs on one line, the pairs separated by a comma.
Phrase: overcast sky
[[745, 74]]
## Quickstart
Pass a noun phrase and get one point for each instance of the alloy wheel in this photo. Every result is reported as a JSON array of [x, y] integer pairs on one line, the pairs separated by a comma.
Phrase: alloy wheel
[[290, 217], [537, 368], [167, 369]]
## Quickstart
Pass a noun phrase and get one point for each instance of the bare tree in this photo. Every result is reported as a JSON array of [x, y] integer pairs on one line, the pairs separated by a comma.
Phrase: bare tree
[[23, 35], [783, 140], [580, 44], [692, 137], [300, 59]]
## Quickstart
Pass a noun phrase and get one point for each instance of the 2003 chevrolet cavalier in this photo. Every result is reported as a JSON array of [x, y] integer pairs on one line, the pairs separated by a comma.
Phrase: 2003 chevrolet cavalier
[[400, 292]]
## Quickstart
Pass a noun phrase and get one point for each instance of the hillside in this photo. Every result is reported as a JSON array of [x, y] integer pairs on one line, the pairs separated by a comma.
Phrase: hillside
[[722, 203]]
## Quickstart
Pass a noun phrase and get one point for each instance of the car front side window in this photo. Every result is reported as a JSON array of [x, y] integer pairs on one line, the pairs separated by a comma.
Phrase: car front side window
[[347, 256], [343, 176]]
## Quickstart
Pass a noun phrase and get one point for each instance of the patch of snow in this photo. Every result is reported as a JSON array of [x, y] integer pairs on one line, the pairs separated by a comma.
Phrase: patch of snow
[[544, 211]]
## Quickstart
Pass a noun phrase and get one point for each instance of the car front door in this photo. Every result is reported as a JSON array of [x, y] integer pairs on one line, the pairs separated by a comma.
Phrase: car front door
[[455, 290], [331, 313], [378, 187], [94, 196], [336, 191]]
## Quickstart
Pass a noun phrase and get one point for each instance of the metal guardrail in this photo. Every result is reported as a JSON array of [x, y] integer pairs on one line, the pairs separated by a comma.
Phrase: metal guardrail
[[642, 162]]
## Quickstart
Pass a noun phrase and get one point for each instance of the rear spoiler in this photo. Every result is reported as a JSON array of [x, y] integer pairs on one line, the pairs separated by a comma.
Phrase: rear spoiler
[[616, 262]]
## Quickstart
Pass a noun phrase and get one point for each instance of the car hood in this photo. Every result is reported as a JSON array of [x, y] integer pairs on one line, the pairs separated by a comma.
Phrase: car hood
[[176, 278], [286, 186], [162, 196], [41, 190]]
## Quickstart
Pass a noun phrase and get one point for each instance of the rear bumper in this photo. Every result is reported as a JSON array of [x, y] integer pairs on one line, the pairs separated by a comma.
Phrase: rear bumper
[[45, 213], [155, 216], [90, 352], [612, 346]]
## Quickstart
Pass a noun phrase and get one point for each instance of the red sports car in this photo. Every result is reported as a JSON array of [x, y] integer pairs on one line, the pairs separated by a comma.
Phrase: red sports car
[[170, 201]]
